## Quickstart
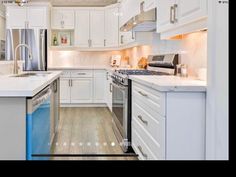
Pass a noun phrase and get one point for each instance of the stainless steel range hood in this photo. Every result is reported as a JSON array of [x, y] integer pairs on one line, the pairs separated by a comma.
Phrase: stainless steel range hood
[[143, 22]]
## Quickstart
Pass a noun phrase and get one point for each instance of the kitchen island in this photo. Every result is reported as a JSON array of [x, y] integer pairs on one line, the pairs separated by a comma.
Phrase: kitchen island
[[15, 93]]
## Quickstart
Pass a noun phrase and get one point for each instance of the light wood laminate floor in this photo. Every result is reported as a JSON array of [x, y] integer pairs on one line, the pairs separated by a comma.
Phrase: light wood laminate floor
[[86, 131]]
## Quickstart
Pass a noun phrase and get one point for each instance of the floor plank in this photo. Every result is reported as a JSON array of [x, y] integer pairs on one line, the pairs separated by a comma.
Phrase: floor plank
[[86, 131]]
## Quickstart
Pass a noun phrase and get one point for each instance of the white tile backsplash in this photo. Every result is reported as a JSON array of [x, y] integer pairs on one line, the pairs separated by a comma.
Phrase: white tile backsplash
[[192, 49]]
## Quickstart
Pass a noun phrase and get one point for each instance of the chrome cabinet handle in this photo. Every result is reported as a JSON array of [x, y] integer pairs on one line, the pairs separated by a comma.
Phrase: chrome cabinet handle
[[122, 39], [143, 94], [141, 118], [62, 24], [105, 42], [141, 150], [133, 34], [111, 87], [81, 73], [171, 15], [175, 10], [69, 82]]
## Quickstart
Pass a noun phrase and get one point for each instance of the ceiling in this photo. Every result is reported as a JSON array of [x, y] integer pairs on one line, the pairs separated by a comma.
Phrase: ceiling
[[79, 2]]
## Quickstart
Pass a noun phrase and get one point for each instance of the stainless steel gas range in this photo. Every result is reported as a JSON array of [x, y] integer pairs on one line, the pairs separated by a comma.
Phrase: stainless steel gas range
[[122, 89]]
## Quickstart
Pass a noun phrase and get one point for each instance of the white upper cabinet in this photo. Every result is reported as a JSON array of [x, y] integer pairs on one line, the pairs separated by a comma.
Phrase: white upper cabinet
[[62, 19], [26, 17], [16, 17], [82, 29], [37, 17], [111, 27], [191, 10], [97, 28], [149, 4], [173, 14], [129, 9], [165, 14]]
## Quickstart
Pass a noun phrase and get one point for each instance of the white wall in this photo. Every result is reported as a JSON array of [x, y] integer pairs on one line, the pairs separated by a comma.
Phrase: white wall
[[192, 49], [218, 83], [79, 59]]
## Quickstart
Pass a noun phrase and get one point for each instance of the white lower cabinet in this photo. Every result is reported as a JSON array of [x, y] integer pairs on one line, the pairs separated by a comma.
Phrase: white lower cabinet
[[168, 125], [64, 90], [109, 90], [99, 86], [82, 90], [83, 87]]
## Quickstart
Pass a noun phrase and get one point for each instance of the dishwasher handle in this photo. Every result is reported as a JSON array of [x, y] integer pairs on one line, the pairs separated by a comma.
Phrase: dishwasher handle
[[41, 97]]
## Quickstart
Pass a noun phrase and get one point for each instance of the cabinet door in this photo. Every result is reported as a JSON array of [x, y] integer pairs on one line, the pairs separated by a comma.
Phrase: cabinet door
[[37, 17], [109, 91], [65, 91], [99, 87], [68, 19], [82, 28], [189, 11], [149, 4], [164, 12], [62, 19], [127, 37], [97, 28], [56, 19], [16, 17], [82, 90], [111, 28]]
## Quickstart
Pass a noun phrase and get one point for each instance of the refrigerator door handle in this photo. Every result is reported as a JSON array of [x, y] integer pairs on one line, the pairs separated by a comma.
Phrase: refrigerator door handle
[[42, 41]]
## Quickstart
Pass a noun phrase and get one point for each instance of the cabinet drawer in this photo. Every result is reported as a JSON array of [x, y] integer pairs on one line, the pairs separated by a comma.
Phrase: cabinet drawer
[[82, 73], [155, 126], [156, 149], [65, 74], [140, 148], [151, 98], [100, 73]]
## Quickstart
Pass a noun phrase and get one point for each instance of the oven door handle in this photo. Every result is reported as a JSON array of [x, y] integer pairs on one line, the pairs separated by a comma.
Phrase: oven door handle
[[119, 86]]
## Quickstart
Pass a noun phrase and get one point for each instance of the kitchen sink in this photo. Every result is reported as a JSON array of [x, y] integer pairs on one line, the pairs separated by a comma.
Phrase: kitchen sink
[[31, 74]]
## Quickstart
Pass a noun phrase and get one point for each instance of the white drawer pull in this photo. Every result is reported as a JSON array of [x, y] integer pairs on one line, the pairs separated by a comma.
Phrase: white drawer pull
[[141, 150], [143, 94], [141, 118]]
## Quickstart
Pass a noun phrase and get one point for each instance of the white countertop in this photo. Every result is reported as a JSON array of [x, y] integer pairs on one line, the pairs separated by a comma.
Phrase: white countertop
[[79, 67], [171, 83], [25, 86]]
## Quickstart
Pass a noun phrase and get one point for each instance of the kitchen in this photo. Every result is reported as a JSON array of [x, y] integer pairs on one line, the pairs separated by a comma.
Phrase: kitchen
[[114, 80]]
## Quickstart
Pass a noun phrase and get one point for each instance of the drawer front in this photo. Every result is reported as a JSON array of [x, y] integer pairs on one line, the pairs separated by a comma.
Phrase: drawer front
[[65, 74], [82, 73], [154, 126], [151, 98], [140, 148], [156, 148], [100, 73]]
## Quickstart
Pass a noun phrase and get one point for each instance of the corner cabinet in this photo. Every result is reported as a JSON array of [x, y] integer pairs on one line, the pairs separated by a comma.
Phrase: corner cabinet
[[181, 16], [168, 125], [83, 87], [27, 17], [62, 18]]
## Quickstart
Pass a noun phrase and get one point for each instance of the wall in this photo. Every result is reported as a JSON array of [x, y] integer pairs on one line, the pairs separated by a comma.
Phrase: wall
[[80, 59], [192, 49]]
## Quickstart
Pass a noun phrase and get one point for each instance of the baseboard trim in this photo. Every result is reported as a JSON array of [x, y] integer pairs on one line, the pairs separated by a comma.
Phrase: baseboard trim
[[82, 105]]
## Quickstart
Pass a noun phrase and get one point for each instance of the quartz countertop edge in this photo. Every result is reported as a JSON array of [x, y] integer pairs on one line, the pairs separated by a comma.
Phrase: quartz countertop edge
[[171, 83], [25, 87], [81, 67]]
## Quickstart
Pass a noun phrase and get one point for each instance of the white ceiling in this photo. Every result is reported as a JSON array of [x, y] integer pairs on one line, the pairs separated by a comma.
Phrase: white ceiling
[[79, 2]]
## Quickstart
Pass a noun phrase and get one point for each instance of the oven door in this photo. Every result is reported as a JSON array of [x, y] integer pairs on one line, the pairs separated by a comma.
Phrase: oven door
[[120, 108]]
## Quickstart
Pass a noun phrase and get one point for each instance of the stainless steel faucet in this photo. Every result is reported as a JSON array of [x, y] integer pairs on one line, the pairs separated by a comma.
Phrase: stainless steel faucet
[[15, 69]]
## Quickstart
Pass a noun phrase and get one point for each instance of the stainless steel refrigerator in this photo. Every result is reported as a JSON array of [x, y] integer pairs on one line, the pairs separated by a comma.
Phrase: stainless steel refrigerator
[[36, 39]]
